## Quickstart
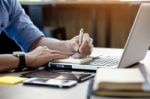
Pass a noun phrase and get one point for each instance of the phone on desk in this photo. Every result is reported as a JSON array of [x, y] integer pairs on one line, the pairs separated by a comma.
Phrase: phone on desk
[[61, 83]]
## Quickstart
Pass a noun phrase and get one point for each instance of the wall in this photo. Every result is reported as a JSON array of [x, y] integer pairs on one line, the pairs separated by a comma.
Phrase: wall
[[110, 23]]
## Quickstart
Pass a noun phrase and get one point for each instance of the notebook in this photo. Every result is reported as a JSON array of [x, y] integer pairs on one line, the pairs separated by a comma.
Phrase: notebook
[[108, 82], [135, 48], [110, 79]]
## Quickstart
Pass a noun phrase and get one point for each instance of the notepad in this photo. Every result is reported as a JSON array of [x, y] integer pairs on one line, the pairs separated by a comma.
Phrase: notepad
[[72, 60], [9, 80]]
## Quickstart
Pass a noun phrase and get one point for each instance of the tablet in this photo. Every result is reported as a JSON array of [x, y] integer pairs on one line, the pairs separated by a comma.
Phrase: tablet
[[60, 74], [50, 82]]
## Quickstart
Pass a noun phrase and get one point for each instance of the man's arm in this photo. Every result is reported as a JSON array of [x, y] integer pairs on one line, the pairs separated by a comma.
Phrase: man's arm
[[8, 62], [33, 59], [20, 28], [28, 36], [54, 44], [67, 47]]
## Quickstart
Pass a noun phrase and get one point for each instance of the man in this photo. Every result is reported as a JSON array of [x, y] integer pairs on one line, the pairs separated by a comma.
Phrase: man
[[38, 49]]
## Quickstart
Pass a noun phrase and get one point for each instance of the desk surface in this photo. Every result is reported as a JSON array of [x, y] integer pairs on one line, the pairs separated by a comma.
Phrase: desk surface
[[20, 91]]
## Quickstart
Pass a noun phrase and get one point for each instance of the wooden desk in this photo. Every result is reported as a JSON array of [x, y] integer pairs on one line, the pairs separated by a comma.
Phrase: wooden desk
[[20, 91]]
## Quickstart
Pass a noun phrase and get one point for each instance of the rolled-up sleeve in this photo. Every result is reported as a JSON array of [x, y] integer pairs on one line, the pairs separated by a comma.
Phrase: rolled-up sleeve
[[20, 28]]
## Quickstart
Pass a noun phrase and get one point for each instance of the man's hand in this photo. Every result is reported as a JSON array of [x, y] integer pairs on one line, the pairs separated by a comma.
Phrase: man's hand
[[68, 47], [83, 50], [42, 55]]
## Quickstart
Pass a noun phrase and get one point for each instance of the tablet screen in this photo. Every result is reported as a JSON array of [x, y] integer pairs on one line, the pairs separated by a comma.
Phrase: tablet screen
[[50, 82], [60, 74]]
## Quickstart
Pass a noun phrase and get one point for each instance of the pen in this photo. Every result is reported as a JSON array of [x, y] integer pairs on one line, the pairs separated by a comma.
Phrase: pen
[[80, 36]]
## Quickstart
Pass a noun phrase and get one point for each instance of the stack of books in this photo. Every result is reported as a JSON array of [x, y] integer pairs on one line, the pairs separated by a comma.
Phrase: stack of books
[[120, 83]]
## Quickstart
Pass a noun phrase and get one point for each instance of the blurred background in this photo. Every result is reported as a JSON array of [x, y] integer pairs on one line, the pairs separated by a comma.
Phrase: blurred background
[[107, 21]]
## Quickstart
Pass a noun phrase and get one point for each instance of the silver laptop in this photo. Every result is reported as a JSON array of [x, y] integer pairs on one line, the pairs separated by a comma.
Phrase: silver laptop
[[135, 48]]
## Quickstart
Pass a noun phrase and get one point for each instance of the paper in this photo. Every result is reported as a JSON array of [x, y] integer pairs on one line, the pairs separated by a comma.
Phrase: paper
[[72, 60], [11, 79]]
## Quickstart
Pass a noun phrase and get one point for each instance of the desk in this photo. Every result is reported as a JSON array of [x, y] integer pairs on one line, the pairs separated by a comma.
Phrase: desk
[[20, 91]]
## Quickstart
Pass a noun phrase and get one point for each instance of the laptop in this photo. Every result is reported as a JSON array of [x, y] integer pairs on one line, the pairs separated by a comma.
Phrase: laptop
[[134, 51]]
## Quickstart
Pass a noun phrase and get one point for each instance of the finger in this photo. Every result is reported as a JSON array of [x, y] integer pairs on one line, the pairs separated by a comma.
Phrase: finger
[[86, 39], [86, 47], [90, 47]]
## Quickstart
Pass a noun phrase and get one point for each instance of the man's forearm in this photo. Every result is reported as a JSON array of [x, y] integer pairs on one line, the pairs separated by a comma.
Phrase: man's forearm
[[8, 62], [51, 43]]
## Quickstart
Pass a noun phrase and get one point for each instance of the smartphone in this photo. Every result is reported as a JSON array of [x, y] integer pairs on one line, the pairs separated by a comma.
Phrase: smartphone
[[50, 82]]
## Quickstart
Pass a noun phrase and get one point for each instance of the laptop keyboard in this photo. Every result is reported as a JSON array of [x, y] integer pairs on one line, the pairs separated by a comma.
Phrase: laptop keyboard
[[106, 60]]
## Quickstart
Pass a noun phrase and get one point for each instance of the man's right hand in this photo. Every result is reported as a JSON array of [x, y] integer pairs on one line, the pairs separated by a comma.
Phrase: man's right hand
[[42, 55]]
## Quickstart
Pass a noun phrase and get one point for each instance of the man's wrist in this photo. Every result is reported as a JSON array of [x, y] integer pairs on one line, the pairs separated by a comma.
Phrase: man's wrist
[[66, 47], [22, 61]]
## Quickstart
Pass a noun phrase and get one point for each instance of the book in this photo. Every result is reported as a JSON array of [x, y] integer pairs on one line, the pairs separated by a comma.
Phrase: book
[[10, 80], [117, 79], [91, 95], [127, 82]]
